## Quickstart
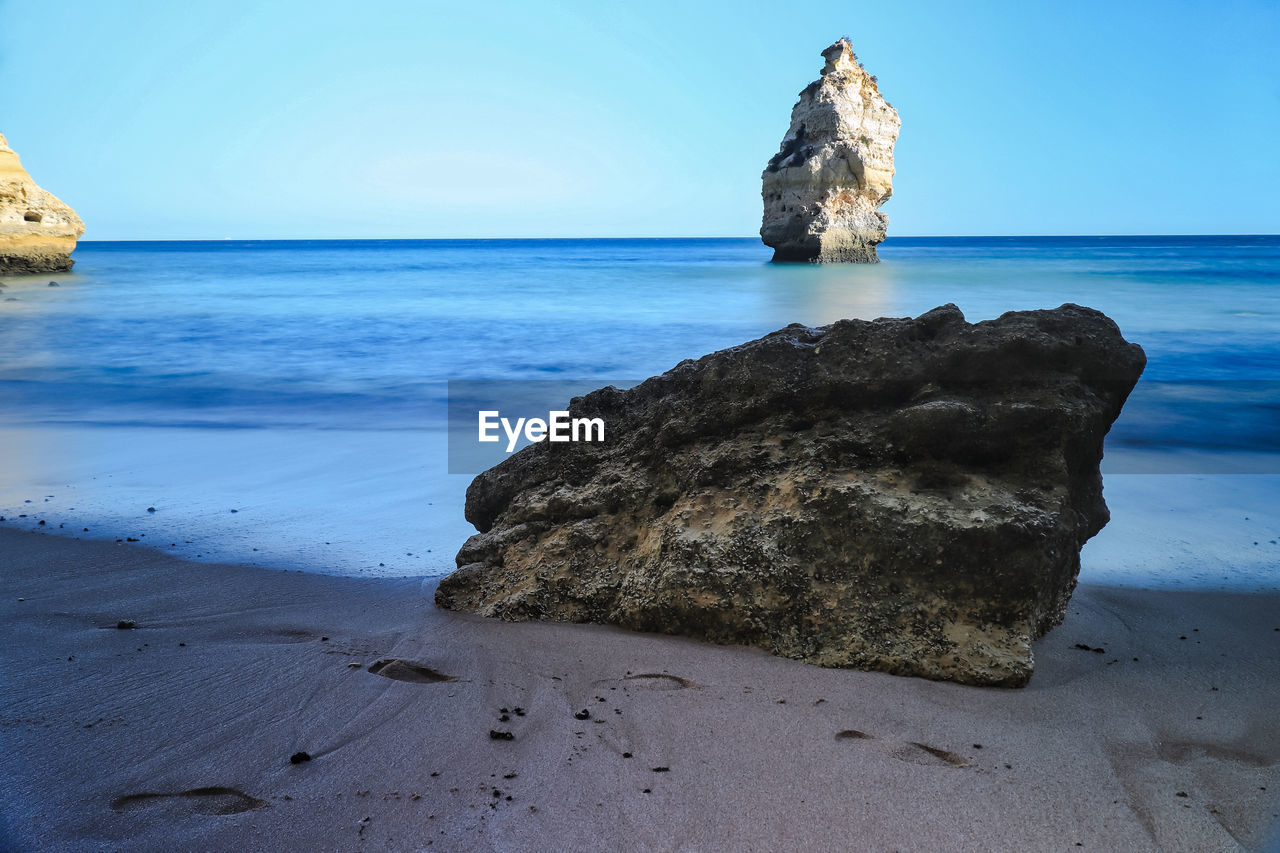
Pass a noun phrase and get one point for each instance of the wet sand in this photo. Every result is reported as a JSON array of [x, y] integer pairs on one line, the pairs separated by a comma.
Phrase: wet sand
[[177, 733]]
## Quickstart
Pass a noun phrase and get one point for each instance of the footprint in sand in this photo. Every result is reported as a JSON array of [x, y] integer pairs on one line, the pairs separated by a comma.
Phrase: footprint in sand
[[286, 635], [912, 752], [853, 734], [659, 681], [208, 801], [929, 756], [403, 670], [269, 634]]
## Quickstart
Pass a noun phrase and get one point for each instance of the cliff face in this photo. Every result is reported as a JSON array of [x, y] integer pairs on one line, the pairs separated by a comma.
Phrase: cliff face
[[37, 230], [823, 188]]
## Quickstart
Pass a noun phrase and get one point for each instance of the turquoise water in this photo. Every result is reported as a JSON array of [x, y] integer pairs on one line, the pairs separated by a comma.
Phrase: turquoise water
[[303, 384]]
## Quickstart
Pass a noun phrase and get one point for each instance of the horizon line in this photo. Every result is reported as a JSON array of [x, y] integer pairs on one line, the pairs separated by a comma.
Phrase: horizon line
[[723, 237]]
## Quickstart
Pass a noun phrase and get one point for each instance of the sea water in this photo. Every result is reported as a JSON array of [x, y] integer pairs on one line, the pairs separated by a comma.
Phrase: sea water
[[284, 403]]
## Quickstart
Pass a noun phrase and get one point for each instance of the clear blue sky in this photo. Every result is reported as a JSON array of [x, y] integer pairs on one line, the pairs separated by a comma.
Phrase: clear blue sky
[[305, 118]]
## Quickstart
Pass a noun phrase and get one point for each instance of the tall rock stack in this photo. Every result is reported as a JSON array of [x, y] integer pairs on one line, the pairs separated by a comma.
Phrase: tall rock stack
[[38, 231], [823, 189]]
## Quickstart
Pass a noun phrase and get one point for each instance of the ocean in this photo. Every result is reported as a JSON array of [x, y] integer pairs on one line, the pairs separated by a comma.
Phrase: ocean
[[284, 403]]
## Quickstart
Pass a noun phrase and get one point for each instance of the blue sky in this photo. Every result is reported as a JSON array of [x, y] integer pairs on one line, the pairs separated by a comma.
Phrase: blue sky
[[162, 120]]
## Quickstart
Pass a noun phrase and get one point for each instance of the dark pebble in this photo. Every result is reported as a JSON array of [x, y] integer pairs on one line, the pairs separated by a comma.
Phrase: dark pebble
[[519, 711], [494, 734], [126, 625], [647, 791], [626, 755], [299, 757], [1181, 794], [151, 509], [504, 718], [510, 775], [41, 524], [662, 770], [584, 714]]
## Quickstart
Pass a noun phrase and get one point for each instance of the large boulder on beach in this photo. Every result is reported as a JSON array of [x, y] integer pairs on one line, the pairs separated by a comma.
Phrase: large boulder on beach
[[823, 189], [905, 495], [38, 232]]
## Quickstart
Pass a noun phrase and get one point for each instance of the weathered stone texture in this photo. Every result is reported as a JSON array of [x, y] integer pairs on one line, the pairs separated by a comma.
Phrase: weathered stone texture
[[823, 189], [906, 495], [37, 231]]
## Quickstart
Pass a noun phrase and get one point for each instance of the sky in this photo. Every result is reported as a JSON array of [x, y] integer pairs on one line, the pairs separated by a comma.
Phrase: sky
[[316, 119]]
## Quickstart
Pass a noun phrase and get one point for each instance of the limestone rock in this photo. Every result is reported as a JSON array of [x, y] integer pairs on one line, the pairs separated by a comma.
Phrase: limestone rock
[[823, 189], [38, 232], [906, 495]]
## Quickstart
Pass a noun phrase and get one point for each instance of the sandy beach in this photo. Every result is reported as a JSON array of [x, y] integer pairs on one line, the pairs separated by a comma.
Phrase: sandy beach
[[877, 335], [178, 733]]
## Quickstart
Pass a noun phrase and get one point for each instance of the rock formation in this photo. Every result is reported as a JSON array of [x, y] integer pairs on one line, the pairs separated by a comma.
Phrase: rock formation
[[901, 495], [37, 231], [823, 189]]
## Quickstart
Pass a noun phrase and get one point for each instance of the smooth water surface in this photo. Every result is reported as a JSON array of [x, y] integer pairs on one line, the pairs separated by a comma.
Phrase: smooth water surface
[[303, 384]]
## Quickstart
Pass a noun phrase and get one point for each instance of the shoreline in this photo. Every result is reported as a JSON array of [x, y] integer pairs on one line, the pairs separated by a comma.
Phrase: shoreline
[[179, 733], [1167, 531]]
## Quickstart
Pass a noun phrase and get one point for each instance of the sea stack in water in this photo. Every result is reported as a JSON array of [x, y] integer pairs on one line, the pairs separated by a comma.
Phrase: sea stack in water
[[823, 189], [906, 495], [37, 231]]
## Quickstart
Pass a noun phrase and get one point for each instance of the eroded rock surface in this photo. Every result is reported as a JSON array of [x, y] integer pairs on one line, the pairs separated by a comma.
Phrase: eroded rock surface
[[823, 189], [906, 495], [38, 232]]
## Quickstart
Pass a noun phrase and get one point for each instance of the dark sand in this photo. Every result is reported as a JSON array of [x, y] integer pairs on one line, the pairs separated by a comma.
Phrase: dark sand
[[128, 740]]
